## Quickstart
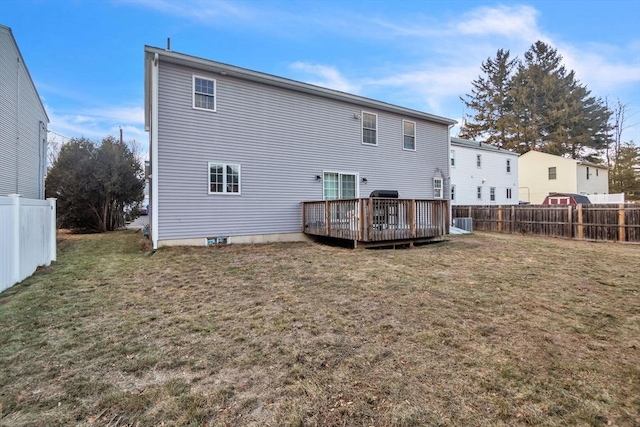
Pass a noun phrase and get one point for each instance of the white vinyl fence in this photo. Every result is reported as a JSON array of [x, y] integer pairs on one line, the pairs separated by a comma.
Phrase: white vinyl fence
[[606, 199], [27, 237]]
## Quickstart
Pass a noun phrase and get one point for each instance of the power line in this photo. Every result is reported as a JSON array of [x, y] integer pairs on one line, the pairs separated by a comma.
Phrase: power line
[[56, 133]]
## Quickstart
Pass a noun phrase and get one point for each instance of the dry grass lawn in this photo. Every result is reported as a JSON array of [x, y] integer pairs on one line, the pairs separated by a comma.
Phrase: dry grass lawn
[[482, 330]]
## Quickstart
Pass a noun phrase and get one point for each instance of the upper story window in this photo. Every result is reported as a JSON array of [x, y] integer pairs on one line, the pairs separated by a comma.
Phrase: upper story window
[[508, 165], [224, 178], [453, 158], [587, 172], [204, 93], [552, 172], [437, 188], [369, 128], [479, 193], [408, 135], [596, 172], [453, 192], [479, 160]]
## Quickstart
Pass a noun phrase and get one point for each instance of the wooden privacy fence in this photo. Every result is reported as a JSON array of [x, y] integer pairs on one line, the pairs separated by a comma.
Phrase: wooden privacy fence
[[618, 223], [376, 220]]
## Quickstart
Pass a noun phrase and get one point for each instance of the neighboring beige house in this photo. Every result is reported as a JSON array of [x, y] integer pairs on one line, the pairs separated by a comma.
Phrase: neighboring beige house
[[540, 174]]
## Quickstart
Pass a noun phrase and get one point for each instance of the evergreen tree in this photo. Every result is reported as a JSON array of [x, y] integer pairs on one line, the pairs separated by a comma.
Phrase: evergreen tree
[[624, 175], [491, 100], [93, 183]]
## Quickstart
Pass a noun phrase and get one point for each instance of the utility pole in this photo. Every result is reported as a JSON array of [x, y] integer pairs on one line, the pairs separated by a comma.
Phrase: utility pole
[[120, 134]]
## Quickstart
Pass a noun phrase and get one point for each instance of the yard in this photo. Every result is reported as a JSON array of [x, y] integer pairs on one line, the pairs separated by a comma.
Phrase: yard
[[481, 330]]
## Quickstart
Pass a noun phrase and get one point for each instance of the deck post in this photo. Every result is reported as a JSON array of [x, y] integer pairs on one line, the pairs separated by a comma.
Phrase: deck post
[[370, 219], [500, 218], [361, 220], [621, 223], [327, 217], [570, 221], [580, 226], [412, 218]]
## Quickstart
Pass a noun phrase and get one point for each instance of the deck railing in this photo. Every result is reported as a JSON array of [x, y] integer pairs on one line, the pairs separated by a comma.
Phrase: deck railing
[[376, 219]]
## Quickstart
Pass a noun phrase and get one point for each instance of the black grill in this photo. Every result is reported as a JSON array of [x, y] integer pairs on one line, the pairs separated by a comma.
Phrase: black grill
[[388, 194]]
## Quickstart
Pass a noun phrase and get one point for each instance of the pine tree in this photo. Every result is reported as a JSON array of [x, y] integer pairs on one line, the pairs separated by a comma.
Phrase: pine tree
[[491, 100], [624, 175]]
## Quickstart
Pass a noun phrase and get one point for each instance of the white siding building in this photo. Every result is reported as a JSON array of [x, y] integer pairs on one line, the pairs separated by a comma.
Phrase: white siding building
[[482, 174], [23, 125]]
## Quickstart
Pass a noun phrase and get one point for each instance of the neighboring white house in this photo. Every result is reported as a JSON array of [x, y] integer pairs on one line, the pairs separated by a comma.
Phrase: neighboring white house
[[27, 222], [23, 125], [482, 174], [542, 173], [235, 152]]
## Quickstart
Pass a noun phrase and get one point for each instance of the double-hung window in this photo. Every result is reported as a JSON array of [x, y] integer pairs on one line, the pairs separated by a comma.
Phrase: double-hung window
[[508, 165], [204, 93], [408, 135], [369, 128], [453, 192], [479, 192], [478, 160], [508, 193], [492, 194], [437, 188], [587, 172], [339, 185], [224, 178], [552, 172], [453, 158]]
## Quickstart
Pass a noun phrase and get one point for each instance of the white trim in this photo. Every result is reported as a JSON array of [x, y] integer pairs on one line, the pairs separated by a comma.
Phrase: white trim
[[415, 135], [224, 178], [193, 93], [356, 174], [362, 113], [435, 179], [154, 153]]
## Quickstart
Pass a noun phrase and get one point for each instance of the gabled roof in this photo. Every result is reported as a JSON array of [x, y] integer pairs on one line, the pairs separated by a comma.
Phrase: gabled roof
[[579, 198], [8, 31], [576, 161], [271, 80], [469, 143]]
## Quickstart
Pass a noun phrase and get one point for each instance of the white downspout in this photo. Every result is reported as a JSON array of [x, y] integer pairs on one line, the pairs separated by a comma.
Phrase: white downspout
[[449, 173], [154, 152]]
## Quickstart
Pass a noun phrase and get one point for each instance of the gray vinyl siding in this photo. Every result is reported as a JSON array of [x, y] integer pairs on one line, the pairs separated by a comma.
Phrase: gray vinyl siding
[[22, 151], [282, 139]]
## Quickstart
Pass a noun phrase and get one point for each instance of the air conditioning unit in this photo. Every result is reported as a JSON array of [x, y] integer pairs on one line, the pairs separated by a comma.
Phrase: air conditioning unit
[[464, 224]]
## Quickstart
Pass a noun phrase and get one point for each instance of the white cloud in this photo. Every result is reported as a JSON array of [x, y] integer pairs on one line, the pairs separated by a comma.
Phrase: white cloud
[[205, 11], [326, 76], [518, 22]]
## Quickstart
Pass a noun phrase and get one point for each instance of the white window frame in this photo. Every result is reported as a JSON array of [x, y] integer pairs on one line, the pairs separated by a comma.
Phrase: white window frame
[[452, 159], [340, 173], [509, 166], [438, 191], [362, 113], [414, 136], [224, 179], [453, 193], [479, 192], [492, 194], [479, 161], [509, 193], [215, 93]]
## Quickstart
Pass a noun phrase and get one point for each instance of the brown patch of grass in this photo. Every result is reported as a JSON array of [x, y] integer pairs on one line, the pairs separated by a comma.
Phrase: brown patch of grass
[[481, 330]]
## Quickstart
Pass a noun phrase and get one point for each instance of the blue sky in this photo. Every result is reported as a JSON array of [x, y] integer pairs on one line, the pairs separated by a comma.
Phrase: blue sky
[[86, 57]]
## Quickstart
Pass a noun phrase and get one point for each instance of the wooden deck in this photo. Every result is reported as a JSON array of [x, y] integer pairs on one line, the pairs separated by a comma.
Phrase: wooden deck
[[377, 221]]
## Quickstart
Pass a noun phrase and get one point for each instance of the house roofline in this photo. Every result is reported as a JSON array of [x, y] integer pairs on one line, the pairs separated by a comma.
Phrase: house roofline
[[576, 161], [470, 143], [15, 43], [255, 76]]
